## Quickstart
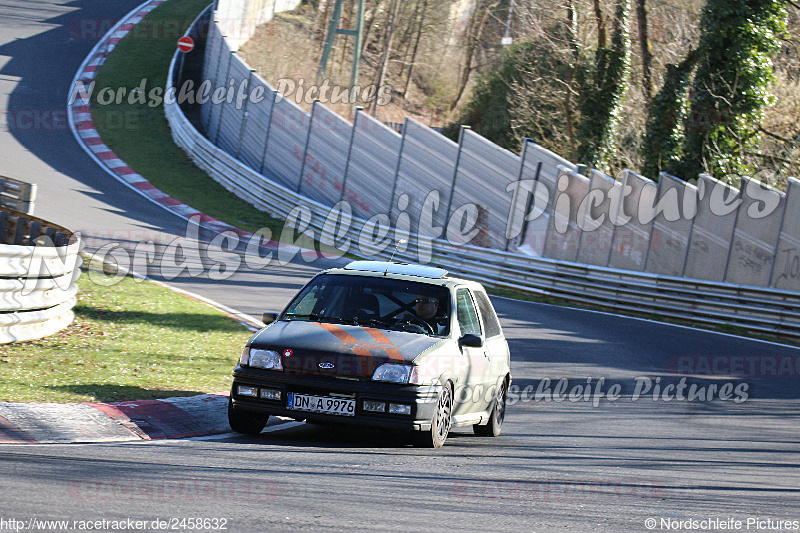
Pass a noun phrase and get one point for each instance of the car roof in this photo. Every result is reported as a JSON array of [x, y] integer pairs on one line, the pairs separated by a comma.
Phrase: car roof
[[407, 271]]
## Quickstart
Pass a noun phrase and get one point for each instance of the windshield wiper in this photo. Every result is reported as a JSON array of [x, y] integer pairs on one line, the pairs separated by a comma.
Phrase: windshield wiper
[[313, 317], [376, 322], [295, 316]]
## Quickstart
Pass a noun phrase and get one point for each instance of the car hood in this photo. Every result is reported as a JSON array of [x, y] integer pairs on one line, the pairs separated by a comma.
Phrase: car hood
[[312, 347]]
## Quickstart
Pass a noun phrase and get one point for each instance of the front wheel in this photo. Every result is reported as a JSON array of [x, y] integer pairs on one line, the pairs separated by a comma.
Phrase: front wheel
[[442, 420], [244, 421], [495, 424]]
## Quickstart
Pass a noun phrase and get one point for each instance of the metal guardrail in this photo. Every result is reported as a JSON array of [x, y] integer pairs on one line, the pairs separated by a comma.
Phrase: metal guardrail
[[759, 310], [39, 267], [17, 195]]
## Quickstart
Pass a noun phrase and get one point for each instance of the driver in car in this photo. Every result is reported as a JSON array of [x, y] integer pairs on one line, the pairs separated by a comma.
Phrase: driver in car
[[426, 308]]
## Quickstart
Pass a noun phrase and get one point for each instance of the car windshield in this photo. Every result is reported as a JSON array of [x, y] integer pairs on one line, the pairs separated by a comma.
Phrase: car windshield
[[379, 302]]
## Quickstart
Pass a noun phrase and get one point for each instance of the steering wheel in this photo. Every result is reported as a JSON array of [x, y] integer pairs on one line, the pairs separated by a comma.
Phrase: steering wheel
[[418, 323]]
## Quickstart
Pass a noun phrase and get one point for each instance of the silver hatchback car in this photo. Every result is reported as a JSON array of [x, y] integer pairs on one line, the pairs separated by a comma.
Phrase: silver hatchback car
[[379, 344]]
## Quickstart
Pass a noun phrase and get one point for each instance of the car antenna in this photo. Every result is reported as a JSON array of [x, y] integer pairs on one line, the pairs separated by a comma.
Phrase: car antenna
[[397, 245]]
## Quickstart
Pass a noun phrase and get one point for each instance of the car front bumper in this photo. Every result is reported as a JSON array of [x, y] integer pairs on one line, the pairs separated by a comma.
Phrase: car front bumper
[[422, 399]]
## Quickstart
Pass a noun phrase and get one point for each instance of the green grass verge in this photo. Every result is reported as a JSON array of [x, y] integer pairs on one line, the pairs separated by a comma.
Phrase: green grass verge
[[130, 341]]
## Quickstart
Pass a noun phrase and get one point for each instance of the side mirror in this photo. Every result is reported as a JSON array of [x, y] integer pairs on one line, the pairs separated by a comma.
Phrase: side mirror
[[269, 317], [470, 340]]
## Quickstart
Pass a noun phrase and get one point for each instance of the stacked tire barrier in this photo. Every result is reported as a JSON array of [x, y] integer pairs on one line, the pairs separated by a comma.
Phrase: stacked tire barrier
[[709, 257], [39, 267]]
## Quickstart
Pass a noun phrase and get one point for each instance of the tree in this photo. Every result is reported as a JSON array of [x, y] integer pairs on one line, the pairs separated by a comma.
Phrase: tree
[[663, 143], [521, 96], [473, 40], [388, 36], [730, 89], [644, 49], [603, 87]]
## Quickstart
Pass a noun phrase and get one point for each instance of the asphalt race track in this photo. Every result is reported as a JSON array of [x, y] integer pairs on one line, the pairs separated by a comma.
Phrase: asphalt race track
[[640, 461]]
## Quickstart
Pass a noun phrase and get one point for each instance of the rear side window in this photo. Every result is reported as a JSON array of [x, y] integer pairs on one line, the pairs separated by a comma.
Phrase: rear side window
[[489, 316], [467, 317]]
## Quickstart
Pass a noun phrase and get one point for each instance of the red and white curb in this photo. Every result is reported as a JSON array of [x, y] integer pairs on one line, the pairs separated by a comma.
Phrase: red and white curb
[[83, 128], [172, 418], [82, 125]]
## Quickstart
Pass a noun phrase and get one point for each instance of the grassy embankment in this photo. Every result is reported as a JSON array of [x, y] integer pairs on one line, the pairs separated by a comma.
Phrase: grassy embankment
[[131, 340]]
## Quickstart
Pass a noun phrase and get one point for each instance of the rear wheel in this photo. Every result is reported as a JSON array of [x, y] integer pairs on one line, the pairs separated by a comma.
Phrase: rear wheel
[[442, 420], [245, 421], [495, 424]]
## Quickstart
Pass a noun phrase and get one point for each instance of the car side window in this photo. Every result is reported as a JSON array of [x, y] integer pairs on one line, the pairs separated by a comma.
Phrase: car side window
[[467, 317], [490, 321]]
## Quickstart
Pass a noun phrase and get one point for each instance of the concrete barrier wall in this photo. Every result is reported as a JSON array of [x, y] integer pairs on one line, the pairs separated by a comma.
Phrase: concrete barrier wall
[[712, 230], [633, 220], [676, 207], [372, 167], [755, 236], [786, 267], [427, 164], [563, 233], [539, 173], [483, 172], [598, 228], [536, 204], [325, 163]]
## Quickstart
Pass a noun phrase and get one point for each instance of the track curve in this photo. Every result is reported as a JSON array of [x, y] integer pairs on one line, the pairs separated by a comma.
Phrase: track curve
[[560, 464]]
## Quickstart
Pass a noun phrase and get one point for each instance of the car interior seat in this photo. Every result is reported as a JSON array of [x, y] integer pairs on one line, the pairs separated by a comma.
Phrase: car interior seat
[[363, 307]]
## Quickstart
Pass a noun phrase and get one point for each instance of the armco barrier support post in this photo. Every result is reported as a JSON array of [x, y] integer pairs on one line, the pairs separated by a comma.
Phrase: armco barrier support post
[[305, 150], [266, 134], [691, 228], [733, 233], [397, 167], [211, 43], [614, 211], [222, 105], [455, 172], [359, 110], [244, 116], [514, 198], [215, 110], [780, 230]]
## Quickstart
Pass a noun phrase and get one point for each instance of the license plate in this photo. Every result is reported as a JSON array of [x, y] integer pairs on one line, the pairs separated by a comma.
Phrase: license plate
[[321, 404]]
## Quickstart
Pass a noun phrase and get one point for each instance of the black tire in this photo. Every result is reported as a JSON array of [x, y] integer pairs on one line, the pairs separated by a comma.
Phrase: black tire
[[495, 424], [244, 421], [441, 422]]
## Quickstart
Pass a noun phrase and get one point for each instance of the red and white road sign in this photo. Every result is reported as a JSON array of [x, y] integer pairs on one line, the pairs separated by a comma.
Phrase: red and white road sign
[[185, 44]]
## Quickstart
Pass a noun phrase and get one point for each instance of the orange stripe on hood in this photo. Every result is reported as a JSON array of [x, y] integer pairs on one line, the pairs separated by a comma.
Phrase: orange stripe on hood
[[343, 336], [391, 350]]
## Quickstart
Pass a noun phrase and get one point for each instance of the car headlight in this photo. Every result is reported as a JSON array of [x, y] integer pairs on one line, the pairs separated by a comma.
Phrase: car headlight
[[392, 373], [268, 359]]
